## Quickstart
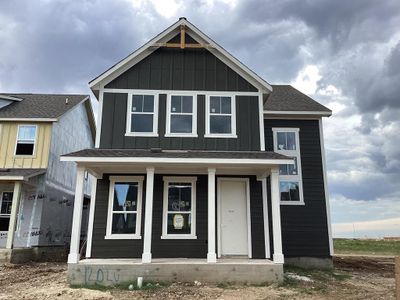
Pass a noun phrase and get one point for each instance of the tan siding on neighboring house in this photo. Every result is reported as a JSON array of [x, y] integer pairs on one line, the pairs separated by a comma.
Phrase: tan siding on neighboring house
[[8, 139]]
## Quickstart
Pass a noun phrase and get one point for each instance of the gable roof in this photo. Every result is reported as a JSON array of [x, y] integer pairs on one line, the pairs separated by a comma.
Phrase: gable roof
[[285, 99], [44, 107], [164, 37]]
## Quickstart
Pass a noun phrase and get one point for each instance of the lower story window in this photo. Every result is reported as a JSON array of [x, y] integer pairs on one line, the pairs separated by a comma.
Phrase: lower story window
[[289, 190], [124, 207], [5, 210], [179, 217]]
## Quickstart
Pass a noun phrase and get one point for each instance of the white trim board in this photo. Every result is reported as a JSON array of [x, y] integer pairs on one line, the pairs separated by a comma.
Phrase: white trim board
[[293, 112], [248, 213], [164, 36], [30, 119], [184, 92], [328, 210]]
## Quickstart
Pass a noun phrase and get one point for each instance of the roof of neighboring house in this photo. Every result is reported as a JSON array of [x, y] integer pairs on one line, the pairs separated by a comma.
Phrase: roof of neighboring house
[[286, 98], [19, 174], [158, 153], [39, 106]]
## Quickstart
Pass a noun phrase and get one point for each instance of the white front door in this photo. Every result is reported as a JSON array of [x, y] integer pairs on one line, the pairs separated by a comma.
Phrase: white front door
[[233, 216]]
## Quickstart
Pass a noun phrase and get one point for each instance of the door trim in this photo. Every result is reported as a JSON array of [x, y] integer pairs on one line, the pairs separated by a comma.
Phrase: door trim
[[247, 181]]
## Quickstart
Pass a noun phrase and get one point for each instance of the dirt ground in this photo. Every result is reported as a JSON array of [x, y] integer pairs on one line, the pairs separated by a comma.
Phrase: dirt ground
[[353, 278]]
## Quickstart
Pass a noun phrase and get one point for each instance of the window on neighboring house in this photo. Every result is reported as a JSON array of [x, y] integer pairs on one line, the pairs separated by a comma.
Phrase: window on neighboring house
[[181, 115], [142, 115], [124, 207], [286, 142], [220, 116], [5, 210], [26, 138], [179, 212]]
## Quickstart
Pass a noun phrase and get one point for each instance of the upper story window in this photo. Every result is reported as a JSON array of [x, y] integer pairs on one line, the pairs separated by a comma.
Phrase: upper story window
[[286, 142], [124, 207], [142, 115], [181, 115], [26, 139], [179, 212], [220, 116]]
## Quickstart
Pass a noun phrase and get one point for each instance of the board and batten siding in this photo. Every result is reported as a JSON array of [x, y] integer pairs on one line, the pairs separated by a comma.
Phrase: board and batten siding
[[114, 127], [8, 140], [170, 248], [304, 227], [177, 69]]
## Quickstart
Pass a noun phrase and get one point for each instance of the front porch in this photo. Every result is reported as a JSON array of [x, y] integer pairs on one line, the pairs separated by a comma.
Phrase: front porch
[[110, 272], [201, 252]]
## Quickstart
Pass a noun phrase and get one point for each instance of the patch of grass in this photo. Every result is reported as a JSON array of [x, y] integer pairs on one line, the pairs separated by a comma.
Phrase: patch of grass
[[121, 286], [372, 247]]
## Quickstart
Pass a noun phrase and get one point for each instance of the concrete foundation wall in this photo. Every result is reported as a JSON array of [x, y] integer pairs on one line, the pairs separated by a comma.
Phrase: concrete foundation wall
[[309, 262], [23, 255], [114, 274]]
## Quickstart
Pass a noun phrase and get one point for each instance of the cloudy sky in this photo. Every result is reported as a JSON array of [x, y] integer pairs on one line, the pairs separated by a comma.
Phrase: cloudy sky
[[345, 54]]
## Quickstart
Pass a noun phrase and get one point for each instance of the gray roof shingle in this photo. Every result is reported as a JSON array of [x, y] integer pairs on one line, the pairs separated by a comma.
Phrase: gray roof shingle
[[287, 98], [25, 173], [40, 105], [176, 154]]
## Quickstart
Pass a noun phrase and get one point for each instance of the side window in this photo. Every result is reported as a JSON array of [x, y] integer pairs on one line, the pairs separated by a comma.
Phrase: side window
[[220, 116], [179, 208], [5, 210], [181, 115], [124, 208], [142, 115], [286, 142], [26, 139]]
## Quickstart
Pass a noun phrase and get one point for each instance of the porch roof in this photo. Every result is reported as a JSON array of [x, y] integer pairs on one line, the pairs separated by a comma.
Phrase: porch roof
[[176, 156], [19, 174]]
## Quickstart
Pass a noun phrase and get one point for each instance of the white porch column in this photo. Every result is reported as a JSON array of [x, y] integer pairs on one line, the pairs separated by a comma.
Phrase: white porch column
[[91, 217], [74, 256], [148, 216], [276, 216], [14, 214], [211, 255]]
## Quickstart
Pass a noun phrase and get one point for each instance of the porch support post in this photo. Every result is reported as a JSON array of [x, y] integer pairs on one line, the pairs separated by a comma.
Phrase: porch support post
[[211, 255], [148, 216], [14, 214], [74, 255], [91, 217], [276, 217]]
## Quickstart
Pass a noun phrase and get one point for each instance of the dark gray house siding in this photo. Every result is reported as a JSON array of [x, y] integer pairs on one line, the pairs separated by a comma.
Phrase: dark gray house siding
[[304, 228], [114, 127], [176, 69], [171, 248]]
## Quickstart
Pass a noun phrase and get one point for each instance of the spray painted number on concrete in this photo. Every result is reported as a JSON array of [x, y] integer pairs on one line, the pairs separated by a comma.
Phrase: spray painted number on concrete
[[99, 275]]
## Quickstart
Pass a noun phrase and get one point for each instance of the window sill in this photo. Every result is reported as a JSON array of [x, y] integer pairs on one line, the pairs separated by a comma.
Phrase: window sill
[[180, 135], [292, 203], [179, 237], [24, 156], [122, 237], [143, 134], [226, 136]]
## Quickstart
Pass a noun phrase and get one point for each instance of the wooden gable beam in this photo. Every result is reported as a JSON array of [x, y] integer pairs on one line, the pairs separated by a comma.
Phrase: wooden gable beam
[[183, 30]]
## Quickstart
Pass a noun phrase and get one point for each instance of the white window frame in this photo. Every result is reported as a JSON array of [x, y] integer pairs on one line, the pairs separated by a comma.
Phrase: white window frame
[[232, 115], [124, 236], [167, 180], [34, 142], [1, 202], [168, 132], [129, 113], [291, 153]]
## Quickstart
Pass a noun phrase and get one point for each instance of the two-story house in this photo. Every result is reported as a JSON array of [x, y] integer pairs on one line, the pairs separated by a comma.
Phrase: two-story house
[[204, 171], [36, 189]]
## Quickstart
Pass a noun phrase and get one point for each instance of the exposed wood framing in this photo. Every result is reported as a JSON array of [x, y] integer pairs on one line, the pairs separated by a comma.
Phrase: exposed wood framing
[[182, 44], [183, 31]]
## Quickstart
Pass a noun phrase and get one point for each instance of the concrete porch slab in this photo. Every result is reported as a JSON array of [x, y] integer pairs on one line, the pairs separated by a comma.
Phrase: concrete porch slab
[[110, 272]]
